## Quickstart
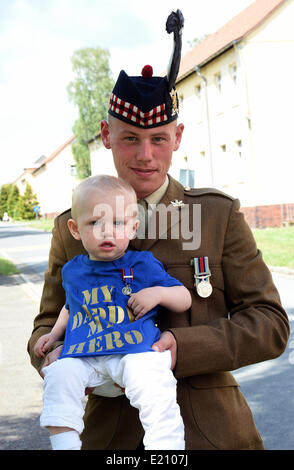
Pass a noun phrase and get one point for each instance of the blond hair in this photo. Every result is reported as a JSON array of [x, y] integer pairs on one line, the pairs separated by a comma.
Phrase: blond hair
[[101, 183]]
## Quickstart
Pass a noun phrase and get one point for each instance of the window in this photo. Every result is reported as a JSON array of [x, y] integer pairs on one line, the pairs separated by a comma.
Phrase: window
[[240, 163], [218, 81], [187, 178], [73, 170], [239, 148], [198, 91], [233, 70]]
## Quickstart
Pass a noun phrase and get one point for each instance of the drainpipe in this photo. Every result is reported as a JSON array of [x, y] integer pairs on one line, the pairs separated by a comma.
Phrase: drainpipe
[[253, 177], [197, 70]]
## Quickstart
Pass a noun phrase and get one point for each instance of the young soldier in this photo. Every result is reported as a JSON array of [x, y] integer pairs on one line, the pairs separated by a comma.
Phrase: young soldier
[[240, 322]]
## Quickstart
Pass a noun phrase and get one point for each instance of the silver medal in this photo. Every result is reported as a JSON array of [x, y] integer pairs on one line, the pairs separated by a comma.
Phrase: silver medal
[[127, 290], [204, 289]]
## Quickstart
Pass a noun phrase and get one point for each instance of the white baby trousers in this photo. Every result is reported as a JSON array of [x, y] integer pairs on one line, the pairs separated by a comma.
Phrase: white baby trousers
[[148, 382]]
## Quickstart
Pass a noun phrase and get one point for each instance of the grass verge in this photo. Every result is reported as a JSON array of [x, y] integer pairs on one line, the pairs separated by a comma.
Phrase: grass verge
[[7, 267], [42, 224], [277, 245]]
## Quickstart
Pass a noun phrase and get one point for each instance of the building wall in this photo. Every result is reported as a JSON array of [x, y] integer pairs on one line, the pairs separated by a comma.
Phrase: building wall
[[273, 215], [101, 159], [54, 183], [216, 138], [249, 120], [25, 177], [268, 56]]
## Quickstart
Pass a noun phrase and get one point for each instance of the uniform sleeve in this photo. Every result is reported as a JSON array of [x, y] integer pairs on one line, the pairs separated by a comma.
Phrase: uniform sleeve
[[157, 275], [53, 296], [64, 272], [257, 327]]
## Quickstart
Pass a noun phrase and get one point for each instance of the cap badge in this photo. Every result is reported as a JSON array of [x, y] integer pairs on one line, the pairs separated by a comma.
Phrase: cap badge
[[174, 99]]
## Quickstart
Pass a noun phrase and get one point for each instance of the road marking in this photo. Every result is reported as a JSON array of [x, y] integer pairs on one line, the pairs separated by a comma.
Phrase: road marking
[[31, 289], [43, 246]]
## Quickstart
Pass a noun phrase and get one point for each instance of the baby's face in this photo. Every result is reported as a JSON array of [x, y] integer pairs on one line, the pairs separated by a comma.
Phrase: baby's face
[[106, 224]]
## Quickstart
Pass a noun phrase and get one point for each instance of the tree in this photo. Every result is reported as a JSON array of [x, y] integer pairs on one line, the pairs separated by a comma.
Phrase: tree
[[4, 194], [26, 204], [13, 202], [90, 92]]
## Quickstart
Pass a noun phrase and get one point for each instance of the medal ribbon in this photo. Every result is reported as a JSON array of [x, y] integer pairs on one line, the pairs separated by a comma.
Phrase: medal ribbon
[[127, 275], [201, 267]]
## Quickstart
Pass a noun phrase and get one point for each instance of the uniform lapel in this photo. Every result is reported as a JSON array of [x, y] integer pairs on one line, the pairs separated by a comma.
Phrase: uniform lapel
[[175, 191]]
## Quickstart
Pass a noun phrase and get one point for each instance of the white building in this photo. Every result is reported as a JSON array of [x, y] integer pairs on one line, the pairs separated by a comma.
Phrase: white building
[[52, 179], [236, 91]]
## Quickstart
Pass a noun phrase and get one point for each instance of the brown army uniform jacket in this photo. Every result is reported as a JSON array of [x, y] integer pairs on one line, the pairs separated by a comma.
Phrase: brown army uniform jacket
[[240, 323]]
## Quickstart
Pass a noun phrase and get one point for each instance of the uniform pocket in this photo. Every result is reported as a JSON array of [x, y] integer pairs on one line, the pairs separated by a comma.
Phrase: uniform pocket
[[216, 380], [216, 414]]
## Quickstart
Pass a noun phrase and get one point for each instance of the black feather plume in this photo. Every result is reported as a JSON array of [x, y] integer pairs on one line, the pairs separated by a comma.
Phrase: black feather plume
[[174, 24]]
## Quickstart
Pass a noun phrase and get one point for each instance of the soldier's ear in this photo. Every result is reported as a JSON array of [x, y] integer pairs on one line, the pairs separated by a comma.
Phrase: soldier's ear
[[179, 133], [73, 228], [105, 134]]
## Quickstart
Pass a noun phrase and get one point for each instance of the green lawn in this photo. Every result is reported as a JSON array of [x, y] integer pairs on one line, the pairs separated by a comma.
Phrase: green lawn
[[277, 245], [42, 224], [7, 268]]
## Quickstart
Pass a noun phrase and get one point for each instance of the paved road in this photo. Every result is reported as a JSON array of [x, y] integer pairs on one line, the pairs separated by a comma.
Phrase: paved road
[[28, 249], [21, 386], [268, 386]]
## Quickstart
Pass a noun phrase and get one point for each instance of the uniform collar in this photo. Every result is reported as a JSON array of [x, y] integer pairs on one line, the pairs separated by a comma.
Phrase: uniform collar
[[173, 191], [155, 197]]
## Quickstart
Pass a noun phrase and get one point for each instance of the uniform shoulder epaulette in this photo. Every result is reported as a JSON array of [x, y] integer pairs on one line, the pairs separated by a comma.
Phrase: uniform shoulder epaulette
[[206, 192]]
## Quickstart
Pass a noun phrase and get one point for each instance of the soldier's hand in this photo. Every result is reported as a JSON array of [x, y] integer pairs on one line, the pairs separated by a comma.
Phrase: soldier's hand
[[167, 341], [51, 357]]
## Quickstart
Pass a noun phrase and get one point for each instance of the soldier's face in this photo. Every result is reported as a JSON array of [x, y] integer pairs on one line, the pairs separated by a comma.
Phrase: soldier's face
[[141, 156]]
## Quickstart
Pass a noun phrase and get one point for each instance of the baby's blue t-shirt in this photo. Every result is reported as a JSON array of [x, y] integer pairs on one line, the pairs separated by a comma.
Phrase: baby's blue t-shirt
[[100, 321]]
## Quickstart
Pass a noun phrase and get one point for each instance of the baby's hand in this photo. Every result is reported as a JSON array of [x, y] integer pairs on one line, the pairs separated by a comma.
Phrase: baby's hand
[[43, 344], [143, 301]]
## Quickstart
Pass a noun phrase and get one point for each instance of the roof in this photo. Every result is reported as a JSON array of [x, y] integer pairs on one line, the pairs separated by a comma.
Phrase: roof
[[43, 160], [40, 160], [233, 31], [57, 151]]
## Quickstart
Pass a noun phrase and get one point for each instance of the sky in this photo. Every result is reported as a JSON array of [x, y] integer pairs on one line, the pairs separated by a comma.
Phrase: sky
[[38, 38]]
